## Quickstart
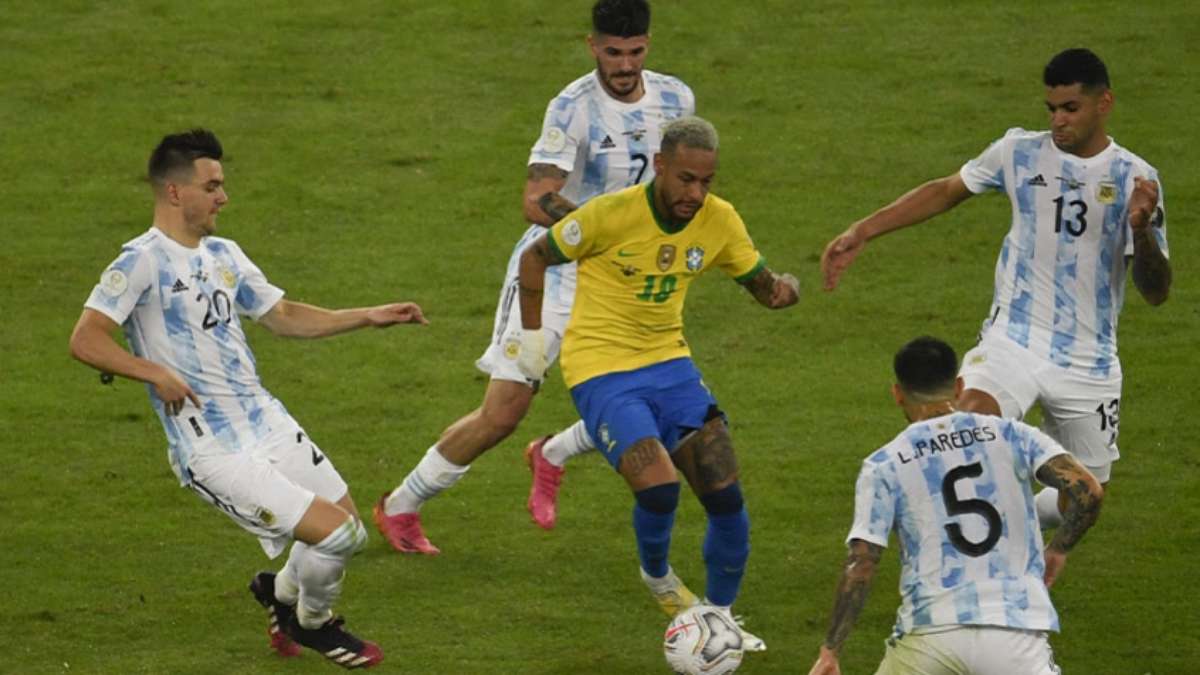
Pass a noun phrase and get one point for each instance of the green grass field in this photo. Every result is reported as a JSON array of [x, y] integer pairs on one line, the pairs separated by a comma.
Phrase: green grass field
[[376, 152]]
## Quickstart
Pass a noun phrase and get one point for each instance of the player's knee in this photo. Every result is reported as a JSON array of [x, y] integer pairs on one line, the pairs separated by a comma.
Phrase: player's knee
[[343, 542], [659, 499], [504, 416], [726, 501]]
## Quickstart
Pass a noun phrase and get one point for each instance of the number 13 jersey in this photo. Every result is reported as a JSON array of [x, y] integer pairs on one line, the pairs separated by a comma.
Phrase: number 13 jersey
[[957, 490], [180, 308], [1060, 276]]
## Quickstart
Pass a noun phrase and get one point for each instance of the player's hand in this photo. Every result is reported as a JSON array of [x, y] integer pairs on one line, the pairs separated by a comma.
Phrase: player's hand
[[1055, 562], [786, 291], [1142, 203], [827, 663], [838, 255], [173, 391], [531, 353], [400, 312]]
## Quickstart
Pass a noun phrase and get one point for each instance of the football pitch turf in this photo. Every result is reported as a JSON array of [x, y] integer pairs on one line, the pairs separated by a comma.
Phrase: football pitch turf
[[376, 151]]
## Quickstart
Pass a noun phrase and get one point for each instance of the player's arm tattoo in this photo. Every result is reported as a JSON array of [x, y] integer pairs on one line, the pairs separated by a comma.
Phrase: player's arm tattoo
[[1084, 496], [555, 205], [1151, 269], [551, 203], [761, 286], [852, 590], [545, 256]]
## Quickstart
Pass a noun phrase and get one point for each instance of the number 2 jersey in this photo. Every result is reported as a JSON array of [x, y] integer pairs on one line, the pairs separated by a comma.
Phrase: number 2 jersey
[[604, 145], [179, 308], [957, 489], [1060, 277]]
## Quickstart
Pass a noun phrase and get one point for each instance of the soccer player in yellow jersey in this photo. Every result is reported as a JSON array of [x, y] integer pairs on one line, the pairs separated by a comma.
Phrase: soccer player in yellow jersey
[[627, 363]]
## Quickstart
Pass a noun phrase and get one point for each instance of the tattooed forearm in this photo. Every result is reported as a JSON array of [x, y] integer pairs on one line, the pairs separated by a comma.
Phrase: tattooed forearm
[[555, 205], [1151, 269], [852, 591], [1083, 494], [542, 171], [761, 286]]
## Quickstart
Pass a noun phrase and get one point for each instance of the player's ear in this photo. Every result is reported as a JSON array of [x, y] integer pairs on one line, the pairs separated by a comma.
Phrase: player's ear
[[660, 164], [958, 387], [1106, 101], [898, 395]]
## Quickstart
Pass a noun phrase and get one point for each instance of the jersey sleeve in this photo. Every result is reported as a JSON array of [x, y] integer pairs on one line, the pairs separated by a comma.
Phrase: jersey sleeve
[[739, 258], [1158, 222], [580, 234], [986, 172], [562, 135], [874, 504], [255, 295], [123, 285]]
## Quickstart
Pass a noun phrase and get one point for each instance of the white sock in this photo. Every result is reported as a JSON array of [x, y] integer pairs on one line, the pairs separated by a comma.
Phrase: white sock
[[667, 582], [320, 571], [574, 440], [1049, 516], [287, 587], [432, 474]]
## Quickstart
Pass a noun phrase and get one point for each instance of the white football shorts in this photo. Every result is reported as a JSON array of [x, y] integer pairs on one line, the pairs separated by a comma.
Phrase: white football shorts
[[499, 360], [969, 650], [1080, 410], [267, 490]]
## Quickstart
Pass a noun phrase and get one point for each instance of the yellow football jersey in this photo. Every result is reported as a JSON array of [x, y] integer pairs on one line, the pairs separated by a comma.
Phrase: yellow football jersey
[[634, 272]]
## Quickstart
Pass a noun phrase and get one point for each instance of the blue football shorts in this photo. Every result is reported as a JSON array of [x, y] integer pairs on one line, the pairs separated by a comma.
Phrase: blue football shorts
[[665, 400]]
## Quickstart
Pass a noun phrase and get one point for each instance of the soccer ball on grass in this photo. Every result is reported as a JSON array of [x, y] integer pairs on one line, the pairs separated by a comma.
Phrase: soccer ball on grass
[[703, 640]]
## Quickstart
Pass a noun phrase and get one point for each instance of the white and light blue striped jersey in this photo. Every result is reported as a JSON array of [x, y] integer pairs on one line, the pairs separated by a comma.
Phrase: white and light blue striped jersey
[[179, 307], [1060, 276], [957, 490], [604, 145]]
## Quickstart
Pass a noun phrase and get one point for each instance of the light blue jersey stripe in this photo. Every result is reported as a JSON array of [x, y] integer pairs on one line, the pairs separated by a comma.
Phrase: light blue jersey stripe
[[1025, 159]]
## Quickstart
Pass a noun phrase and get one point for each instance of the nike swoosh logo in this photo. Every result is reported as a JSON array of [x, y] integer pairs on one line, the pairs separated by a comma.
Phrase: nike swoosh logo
[[623, 254], [317, 458]]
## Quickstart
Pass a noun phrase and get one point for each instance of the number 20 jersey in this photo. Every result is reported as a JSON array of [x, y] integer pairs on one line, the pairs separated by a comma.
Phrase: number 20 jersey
[[957, 490], [179, 308], [1060, 276]]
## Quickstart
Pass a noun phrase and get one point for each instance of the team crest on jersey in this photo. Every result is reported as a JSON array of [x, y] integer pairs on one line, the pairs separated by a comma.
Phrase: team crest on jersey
[[572, 233], [1106, 192], [636, 134], [227, 276], [114, 283], [666, 257], [695, 258], [554, 140]]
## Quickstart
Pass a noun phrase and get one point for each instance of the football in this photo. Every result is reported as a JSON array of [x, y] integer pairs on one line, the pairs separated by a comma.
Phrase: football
[[702, 640]]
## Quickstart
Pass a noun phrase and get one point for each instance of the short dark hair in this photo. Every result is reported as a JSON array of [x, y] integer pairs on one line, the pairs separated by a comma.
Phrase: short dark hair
[[621, 18], [176, 152], [926, 366], [1076, 66]]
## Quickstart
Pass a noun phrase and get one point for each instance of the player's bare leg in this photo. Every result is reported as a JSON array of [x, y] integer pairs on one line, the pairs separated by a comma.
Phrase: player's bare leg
[[707, 460], [446, 462]]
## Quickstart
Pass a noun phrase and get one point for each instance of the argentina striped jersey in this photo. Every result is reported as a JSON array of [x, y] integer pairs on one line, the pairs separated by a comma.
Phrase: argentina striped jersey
[[1060, 276], [957, 490], [605, 145], [180, 308]]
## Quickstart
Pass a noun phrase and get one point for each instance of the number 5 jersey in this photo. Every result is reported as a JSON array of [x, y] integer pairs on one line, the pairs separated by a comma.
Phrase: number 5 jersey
[[957, 490]]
